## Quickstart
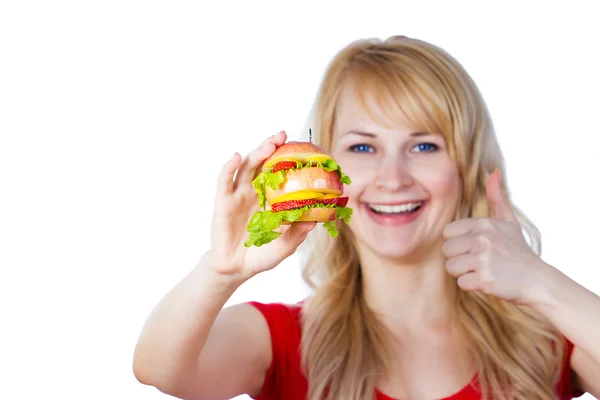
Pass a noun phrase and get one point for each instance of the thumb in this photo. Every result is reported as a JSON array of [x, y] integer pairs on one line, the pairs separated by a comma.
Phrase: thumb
[[289, 240], [497, 199]]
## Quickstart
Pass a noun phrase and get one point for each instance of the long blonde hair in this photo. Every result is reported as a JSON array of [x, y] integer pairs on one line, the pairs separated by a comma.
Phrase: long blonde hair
[[518, 352]]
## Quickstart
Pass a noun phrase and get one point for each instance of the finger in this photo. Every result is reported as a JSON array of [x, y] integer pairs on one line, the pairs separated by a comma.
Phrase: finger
[[457, 245], [225, 178], [497, 198], [460, 265], [248, 168], [289, 241], [470, 227], [250, 164], [277, 139], [458, 228], [469, 281]]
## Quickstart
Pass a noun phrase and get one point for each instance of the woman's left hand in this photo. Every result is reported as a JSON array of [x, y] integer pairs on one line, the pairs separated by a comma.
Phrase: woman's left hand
[[491, 254]]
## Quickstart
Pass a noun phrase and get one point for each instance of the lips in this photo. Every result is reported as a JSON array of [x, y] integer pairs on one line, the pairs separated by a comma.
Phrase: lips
[[395, 209], [394, 214]]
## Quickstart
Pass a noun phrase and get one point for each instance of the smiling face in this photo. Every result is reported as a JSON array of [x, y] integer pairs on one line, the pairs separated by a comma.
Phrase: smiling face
[[405, 186]]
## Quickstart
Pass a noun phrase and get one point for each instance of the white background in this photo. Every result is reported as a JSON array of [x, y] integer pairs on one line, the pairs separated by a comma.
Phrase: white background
[[115, 117]]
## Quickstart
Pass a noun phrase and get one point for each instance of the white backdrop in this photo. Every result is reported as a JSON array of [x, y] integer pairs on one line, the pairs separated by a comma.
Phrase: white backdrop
[[116, 116]]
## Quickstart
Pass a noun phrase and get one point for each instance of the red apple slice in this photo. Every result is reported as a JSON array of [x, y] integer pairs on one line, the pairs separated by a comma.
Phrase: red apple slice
[[312, 179], [296, 151]]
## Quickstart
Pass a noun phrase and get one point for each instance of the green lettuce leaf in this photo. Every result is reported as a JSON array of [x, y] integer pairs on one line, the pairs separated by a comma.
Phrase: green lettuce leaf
[[331, 228], [264, 179], [343, 213], [331, 165], [259, 238], [263, 223]]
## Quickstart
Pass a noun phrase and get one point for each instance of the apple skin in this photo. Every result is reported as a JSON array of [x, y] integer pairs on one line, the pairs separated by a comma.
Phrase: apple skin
[[316, 215], [294, 151], [310, 178], [305, 179]]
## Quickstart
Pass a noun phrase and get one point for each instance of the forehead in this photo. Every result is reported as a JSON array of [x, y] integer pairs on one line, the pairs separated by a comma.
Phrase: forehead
[[366, 109]]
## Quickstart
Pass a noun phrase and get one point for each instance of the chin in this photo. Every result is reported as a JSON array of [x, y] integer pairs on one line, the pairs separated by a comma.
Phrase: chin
[[396, 247], [405, 243]]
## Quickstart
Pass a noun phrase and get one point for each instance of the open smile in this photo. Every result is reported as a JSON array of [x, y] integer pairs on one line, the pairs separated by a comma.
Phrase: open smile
[[395, 214]]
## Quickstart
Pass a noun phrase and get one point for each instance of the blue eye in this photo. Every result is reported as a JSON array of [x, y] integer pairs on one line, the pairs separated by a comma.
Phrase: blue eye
[[426, 147], [361, 148]]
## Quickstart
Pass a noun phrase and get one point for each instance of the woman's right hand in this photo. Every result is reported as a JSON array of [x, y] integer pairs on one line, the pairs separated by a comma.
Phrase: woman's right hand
[[235, 203]]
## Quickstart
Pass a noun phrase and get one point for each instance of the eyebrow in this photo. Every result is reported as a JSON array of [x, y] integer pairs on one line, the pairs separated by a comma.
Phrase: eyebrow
[[369, 134]]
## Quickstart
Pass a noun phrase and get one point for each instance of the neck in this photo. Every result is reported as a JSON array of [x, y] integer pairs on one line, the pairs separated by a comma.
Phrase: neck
[[408, 296]]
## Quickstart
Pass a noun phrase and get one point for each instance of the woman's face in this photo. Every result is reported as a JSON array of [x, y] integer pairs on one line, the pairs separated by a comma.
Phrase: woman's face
[[405, 187]]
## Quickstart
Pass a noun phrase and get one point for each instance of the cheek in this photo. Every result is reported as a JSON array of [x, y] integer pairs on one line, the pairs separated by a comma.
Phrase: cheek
[[353, 190], [445, 184]]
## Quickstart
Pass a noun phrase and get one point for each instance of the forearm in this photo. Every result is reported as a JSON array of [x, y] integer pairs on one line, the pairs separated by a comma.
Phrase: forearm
[[571, 308], [177, 329]]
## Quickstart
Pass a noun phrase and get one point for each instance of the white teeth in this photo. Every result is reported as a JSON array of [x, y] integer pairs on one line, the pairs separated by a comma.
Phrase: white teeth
[[395, 209]]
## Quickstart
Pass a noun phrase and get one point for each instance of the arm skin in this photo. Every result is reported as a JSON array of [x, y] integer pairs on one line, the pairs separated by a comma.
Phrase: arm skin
[[191, 348], [575, 312]]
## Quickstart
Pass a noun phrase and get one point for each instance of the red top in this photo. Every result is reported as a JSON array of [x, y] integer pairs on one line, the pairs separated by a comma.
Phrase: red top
[[285, 379]]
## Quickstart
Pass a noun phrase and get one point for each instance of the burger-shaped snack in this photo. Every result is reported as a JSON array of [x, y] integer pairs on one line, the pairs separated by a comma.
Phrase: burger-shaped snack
[[299, 182]]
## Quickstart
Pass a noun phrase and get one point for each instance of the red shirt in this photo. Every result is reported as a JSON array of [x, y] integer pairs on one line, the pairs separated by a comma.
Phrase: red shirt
[[285, 379]]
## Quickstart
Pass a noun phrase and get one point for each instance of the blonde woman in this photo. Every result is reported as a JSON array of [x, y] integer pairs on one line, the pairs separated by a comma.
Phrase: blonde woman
[[451, 301]]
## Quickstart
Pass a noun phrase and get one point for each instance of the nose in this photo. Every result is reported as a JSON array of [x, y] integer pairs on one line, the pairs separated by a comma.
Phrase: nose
[[393, 175]]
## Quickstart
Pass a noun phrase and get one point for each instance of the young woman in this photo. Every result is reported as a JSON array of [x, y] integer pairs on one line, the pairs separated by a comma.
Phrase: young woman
[[449, 301]]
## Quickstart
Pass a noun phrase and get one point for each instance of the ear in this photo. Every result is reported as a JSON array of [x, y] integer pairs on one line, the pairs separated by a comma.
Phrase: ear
[[497, 198]]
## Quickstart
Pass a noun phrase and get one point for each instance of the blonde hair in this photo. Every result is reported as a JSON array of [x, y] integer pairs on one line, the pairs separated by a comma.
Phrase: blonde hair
[[518, 352]]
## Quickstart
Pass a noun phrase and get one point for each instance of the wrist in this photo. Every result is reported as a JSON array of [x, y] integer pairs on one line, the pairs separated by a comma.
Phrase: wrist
[[212, 274], [544, 287]]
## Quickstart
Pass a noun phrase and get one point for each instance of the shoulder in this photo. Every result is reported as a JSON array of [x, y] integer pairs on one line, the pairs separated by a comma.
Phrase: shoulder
[[567, 387], [285, 374], [279, 311], [283, 321]]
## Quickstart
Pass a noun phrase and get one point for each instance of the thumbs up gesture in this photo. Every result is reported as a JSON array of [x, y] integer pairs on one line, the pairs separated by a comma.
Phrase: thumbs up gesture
[[491, 254]]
